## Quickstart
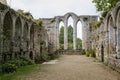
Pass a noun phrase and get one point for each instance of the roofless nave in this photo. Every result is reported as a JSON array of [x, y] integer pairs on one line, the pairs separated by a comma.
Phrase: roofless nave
[[20, 36]]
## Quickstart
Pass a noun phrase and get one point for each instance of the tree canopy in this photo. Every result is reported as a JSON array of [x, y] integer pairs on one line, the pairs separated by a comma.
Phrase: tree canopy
[[104, 5]]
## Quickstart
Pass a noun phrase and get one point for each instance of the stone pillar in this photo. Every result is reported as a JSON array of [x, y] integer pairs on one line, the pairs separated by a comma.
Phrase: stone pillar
[[65, 35], [57, 37], [22, 40], [84, 36], [29, 44], [107, 43], [1, 39], [118, 43], [13, 41], [74, 35]]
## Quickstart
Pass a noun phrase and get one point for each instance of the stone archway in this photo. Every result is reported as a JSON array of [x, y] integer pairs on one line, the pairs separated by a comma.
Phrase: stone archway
[[25, 37], [75, 19], [32, 37], [118, 31], [7, 36], [17, 38], [53, 24], [61, 35], [79, 34], [65, 21], [112, 36]]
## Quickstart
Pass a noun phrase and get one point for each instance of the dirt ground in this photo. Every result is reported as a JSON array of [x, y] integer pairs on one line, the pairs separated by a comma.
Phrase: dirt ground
[[74, 67]]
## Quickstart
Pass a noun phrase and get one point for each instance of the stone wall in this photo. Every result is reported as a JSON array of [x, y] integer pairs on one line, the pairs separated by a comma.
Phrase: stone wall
[[52, 27], [107, 46], [20, 36]]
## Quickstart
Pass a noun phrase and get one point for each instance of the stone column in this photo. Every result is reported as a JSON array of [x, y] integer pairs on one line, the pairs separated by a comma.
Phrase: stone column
[[22, 39], [28, 36], [65, 35], [1, 39], [118, 43], [13, 41], [57, 37], [74, 35]]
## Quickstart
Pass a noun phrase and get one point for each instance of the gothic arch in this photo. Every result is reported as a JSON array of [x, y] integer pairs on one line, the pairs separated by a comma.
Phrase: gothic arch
[[32, 36], [18, 36], [111, 35], [74, 16], [60, 20], [117, 17], [7, 35], [25, 31], [25, 36], [117, 9], [76, 19]]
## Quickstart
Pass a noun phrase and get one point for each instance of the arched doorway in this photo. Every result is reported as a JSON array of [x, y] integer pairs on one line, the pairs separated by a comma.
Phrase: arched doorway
[[31, 41], [102, 53], [118, 31], [32, 37], [31, 55], [112, 37], [17, 38], [25, 38], [7, 36], [79, 35], [70, 28], [61, 35]]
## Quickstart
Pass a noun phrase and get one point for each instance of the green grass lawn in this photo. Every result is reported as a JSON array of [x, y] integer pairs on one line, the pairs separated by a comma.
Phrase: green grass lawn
[[20, 72]]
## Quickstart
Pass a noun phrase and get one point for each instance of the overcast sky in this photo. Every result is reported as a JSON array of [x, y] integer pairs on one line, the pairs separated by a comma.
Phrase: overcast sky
[[51, 8]]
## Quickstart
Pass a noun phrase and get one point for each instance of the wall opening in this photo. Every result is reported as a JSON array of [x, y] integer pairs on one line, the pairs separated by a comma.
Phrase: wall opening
[[70, 32], [25, 37], [118, 32], [7, 36], [32, 37], [18, 31], [61, 35], [79, 35], [112, 37]]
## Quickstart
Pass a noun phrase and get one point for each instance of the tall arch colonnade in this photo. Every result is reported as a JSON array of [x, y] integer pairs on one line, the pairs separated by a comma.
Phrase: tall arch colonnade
[[19, 36], [107, 46], [52, 26]]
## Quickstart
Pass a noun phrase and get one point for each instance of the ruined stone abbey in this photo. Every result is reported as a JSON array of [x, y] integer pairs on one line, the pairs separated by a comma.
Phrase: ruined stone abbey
[[21, 36]]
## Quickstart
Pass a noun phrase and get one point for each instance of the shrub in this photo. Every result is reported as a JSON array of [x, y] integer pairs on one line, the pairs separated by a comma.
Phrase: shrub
[[87, 53], [53, 56], [83, 52], [90, 53], [40, 58], [27, 60], [44, 57], [12, 65], [16, 62], [37, 59], [9, 68]]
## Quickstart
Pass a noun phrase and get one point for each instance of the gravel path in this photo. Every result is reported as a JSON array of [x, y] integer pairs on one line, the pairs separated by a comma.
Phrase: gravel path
[[74, 67]]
